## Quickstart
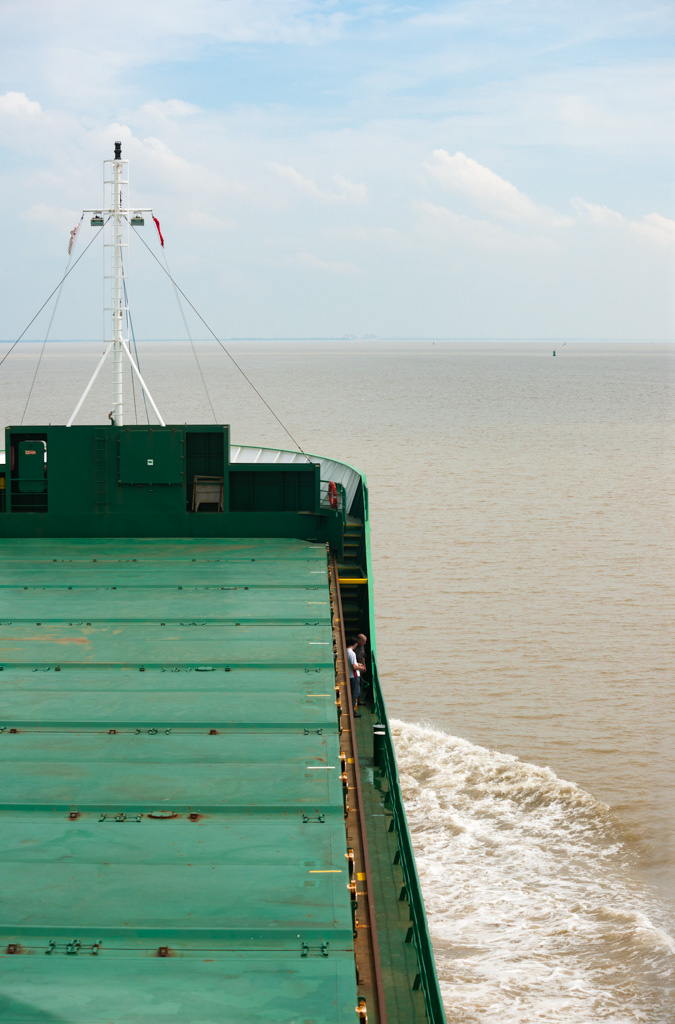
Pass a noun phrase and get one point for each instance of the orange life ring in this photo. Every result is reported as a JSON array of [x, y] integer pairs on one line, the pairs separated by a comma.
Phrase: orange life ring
[[332, 495]]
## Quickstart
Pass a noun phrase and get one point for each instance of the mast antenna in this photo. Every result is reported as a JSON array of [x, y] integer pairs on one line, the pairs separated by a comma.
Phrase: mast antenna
[[115, 218]]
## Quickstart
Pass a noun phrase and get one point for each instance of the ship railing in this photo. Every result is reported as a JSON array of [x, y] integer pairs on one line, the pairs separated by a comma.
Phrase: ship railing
[[332, 495], [428, 979], [331, 469]]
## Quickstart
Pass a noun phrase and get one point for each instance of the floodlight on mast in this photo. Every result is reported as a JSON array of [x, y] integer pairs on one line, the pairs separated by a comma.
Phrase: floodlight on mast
[[115, 218]]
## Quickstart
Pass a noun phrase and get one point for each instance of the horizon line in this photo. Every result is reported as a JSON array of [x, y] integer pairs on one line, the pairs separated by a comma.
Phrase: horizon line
[[364, 338]]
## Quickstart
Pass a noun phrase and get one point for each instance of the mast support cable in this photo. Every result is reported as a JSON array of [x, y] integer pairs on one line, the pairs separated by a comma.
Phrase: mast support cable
[[225, 349], [51, 294]]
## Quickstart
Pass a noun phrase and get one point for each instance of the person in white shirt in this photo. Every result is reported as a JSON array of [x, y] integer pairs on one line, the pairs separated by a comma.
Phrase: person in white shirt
[[356, 667]]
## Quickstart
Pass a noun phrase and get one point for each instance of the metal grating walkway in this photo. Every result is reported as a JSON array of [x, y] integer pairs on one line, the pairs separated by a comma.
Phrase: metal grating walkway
[[172, 841]]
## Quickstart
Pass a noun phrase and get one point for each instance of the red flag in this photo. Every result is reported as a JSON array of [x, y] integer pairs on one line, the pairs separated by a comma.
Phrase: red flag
[[159, 231], [73, 236]]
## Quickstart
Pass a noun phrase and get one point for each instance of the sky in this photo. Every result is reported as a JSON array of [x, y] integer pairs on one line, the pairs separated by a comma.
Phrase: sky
[[480, 169]]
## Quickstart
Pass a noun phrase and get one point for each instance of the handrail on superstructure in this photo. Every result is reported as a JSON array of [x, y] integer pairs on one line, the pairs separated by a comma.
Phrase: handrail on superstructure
[[338, 503], [428, 976], [379, 984], [340, 472], [425, 958]]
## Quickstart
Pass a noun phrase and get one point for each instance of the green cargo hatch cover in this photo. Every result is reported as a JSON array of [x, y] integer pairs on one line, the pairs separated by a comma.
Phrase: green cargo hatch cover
[[172, 841]]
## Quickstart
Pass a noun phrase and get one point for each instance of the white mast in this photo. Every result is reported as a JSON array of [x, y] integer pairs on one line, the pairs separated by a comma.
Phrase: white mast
[[118, 310], [115, 219]]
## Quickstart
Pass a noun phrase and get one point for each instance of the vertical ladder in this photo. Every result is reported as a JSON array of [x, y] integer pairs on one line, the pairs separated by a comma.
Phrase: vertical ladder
[[353, 541], [351, 567], [351, 610]]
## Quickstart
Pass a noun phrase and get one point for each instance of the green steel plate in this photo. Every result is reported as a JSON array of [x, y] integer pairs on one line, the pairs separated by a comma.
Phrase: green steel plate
[[239, 748], [259, 605], [150, 643], [173, 784], [205, 678], [230, 708], [64, 989], [63, 784]]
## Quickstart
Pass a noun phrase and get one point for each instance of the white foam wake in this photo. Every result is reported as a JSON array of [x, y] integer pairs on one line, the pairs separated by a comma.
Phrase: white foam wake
[[532, 909]]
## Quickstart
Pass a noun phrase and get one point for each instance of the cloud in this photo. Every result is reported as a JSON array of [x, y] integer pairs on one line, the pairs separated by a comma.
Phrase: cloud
[[476, 233], [652, 227], [488, 191], [170, 108], [345, 191], [296, 256], [602, 216], [225, 175], [168, 29], [350, 191], [655, 228], [72, 52], [17, 104], [206, 220], [308, 259], [162, 159], [58, 217], [481, 231]]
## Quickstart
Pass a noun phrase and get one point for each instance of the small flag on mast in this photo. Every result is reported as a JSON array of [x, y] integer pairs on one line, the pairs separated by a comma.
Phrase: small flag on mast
[[73, 237], [159, 231]]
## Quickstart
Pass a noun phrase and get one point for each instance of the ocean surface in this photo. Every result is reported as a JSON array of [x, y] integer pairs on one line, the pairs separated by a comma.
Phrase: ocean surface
[[524, 559]]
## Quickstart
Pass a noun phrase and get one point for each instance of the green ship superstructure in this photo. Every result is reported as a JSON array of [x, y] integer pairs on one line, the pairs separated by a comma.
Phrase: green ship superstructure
[[195, 828]]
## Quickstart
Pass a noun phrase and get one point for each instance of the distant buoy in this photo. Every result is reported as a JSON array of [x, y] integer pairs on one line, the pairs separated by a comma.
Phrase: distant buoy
[[553, 351]]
